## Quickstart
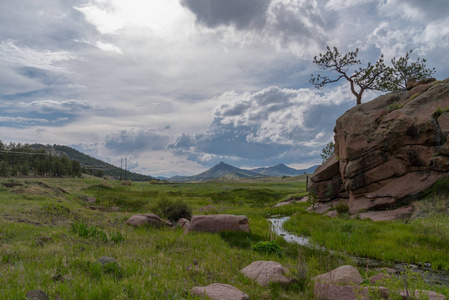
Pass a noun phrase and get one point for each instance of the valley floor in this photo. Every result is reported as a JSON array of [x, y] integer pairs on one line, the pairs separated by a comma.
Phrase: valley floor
[[51, 237]]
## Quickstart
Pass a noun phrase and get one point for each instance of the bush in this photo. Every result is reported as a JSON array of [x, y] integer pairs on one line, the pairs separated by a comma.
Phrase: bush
[[342, 208], [172, 210], [268, 247]]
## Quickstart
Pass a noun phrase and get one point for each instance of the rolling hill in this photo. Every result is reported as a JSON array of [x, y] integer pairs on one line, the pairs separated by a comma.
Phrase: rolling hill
[[90, 162]]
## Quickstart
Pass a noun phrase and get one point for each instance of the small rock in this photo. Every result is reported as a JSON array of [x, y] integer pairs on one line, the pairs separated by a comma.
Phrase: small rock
[[265, 272], [142, 220], [36, 295], [219, 291], [106, 260], [332, 214], [326, 291], [343, 275], [218, 223], [115, 208], [91, 200], [183, 223], [378, 278], [427, 265]]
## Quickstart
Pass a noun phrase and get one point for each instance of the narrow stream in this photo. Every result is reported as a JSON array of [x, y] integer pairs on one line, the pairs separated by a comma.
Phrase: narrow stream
[[432, 276]]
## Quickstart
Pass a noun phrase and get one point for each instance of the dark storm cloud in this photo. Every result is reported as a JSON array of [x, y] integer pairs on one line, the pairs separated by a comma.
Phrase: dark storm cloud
[[136, 141], [241, 14]]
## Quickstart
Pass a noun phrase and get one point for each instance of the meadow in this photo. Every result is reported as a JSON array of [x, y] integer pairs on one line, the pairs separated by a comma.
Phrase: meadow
[[51, 238]]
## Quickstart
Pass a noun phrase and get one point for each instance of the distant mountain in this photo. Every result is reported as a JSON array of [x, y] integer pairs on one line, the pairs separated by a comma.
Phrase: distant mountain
[[221, 170], [282, 170], [92, 163]]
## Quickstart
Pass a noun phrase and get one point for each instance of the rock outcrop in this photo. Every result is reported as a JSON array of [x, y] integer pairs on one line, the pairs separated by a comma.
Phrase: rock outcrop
[[388, 150], [218, 223]]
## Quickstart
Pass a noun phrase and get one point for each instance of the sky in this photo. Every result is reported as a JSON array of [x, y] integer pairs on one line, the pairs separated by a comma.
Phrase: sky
[[176, 86]]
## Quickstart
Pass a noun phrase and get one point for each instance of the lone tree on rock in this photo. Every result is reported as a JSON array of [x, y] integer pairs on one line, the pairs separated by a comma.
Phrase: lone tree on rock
[[403, 70], [375, 76]]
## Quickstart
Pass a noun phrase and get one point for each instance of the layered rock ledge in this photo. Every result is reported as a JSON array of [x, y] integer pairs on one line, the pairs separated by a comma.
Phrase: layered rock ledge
[[388, 150]]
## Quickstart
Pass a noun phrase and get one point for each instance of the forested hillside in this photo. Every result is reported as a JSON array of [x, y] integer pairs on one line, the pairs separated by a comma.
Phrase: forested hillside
[[45, 160], [18, 159]]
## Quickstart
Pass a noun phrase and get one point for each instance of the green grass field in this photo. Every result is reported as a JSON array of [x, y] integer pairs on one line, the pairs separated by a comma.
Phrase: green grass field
[[50, 239]]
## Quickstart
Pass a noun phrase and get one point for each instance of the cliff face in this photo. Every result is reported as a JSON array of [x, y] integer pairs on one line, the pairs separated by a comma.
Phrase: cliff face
[[389, 149]]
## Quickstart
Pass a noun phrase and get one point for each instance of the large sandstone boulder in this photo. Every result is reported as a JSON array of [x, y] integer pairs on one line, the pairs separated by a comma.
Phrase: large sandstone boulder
[[218, 223], [265, 272], [344, 275], [389, 149], [142, 220], [219, 291]]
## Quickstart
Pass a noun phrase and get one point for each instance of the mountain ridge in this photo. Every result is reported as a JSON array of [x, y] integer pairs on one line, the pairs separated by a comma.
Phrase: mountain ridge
[[223, 170], [283, 170]]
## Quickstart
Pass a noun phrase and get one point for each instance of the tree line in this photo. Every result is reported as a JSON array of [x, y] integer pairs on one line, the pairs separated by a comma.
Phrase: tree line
[[25, 160]]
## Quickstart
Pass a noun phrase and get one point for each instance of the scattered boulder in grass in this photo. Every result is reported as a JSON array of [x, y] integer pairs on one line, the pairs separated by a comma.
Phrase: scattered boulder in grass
[[344, 275], [378, 279], [219, 291], [115, 208], [327, 291], [142, 220], [106, 260], [183, 223], [265, 272], [36, 295], [218, 223], [91, 200]]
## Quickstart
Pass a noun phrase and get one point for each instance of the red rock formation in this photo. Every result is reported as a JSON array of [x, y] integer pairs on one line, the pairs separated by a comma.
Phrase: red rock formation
[[389, 149]]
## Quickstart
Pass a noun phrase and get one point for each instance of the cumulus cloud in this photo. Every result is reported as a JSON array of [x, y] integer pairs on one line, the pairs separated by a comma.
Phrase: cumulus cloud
[[271, 125], [133, 141]]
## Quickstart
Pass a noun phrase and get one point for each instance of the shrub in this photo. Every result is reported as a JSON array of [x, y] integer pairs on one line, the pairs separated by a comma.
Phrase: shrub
[[172, 210], [312, 199], [342, 208], [327, 151], [268, 247]]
